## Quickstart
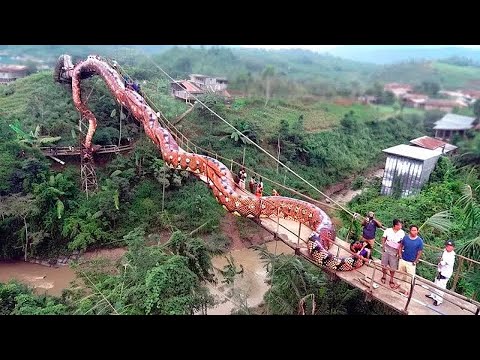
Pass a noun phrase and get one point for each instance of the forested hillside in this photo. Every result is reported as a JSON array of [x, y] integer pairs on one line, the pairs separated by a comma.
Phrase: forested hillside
[[142, 202]]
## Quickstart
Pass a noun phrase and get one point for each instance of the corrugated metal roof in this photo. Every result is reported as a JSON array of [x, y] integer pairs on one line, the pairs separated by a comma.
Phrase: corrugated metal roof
[[191, 88], [454, 122], [428, 142], [412, 152]]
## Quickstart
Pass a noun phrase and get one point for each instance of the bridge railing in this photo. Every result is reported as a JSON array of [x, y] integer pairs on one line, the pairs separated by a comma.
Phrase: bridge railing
[[411, 282], [186, 143], [62, 150]]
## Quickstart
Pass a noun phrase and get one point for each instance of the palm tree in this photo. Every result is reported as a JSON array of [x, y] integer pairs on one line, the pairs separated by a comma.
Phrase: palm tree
[[441, 221], [470, 206]]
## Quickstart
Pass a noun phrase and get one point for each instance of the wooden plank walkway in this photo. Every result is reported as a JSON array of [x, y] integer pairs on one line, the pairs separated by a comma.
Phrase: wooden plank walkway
[[287, 231], [75, 151]]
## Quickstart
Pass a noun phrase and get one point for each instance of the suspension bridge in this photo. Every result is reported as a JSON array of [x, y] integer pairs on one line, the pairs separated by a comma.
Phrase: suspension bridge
[[297, 223]]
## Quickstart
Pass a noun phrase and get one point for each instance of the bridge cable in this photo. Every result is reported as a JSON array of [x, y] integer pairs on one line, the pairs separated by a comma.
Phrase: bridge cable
[[253, 143], [174, 130]]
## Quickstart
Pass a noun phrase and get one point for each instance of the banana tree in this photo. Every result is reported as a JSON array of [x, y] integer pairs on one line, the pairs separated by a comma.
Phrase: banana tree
[[33, 138]]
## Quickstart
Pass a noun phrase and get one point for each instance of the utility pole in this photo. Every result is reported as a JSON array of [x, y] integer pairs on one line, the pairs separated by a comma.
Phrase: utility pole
[[278, 151]]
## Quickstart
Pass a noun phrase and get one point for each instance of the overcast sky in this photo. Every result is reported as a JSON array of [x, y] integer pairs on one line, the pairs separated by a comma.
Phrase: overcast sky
[[321, 48]]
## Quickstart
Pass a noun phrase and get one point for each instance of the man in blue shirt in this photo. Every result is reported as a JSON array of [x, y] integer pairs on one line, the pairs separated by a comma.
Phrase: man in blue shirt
[[370, 225], [410, 251]]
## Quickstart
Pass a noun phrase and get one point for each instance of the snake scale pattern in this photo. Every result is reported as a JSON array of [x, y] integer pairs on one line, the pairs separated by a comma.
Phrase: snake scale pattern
[[217, 176]]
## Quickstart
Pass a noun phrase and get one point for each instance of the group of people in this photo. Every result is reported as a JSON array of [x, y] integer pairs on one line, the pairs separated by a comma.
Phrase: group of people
[[254, 186], [132, 85], [402, 252]]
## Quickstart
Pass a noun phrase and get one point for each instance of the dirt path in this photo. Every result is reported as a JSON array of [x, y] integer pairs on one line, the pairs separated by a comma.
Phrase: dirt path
[[343, 194]]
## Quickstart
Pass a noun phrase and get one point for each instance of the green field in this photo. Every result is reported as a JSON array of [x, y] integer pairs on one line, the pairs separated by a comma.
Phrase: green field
[[318, 116], [452, 76], [449, 76]]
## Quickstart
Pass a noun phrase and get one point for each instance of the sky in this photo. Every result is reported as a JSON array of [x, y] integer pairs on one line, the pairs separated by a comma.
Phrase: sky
[[324, 48]]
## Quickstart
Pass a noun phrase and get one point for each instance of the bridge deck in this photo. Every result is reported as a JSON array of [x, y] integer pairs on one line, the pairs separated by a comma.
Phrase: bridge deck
[[287, 231], [75, 151]]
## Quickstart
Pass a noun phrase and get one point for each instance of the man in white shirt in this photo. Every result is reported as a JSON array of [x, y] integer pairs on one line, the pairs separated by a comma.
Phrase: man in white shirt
[[445, 271], [390, 243]]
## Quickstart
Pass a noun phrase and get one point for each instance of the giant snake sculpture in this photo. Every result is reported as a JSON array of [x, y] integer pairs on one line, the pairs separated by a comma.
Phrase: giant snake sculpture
[[211, 171]]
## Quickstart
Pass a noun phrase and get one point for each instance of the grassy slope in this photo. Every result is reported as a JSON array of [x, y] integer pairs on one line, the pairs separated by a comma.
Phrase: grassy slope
[[447, 75], [318, 116], [453, 76]]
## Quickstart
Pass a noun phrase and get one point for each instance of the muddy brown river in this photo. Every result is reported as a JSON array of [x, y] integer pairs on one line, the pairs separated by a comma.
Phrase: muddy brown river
[[247, 290], [43, 279]]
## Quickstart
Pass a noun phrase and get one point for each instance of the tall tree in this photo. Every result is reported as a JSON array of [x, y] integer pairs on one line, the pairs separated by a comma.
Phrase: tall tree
[[21, 207], [267, 75]]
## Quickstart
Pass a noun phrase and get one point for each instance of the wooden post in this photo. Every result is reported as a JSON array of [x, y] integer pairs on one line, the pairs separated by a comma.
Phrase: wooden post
[[163, 197], [278, 151], [243, 159], [373, 278], [120, 118], [278, 222], [411, 293], [457, 274], [298, 237]]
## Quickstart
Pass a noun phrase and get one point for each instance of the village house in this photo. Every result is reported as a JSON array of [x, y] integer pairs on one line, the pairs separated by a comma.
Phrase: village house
[[398, 89], [407, 169], [442, 105], [430, 143], [197, 85], [453, 124], [471, 95], [9, 73], [458, 96], [184, 89], [414, 100], [367, 99]]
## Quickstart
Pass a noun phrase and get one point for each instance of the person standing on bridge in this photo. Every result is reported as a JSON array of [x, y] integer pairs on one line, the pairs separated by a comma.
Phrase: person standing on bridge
[[410, 250], [390, 244], [445, 271], [370, 225], [252, 184], [242, 176], [259, 192]]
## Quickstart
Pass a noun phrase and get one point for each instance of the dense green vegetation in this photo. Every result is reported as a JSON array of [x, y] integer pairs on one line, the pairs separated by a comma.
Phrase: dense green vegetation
[[300, 287], [337, 142], [451, 188], [160, 280], [45, 214]]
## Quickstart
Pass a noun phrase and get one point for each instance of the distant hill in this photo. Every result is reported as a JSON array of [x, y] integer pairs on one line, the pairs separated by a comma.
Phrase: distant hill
[[48, 54], [448, 76], [387, 54], [296, 71]]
